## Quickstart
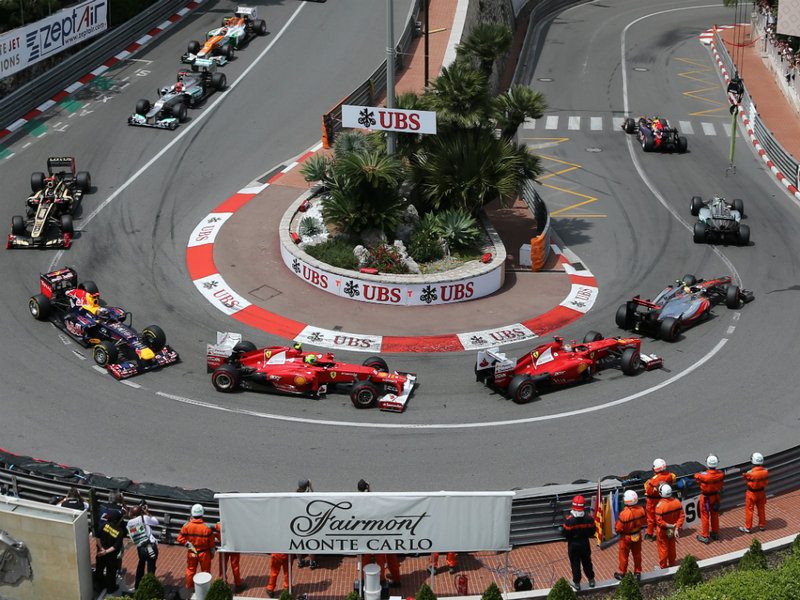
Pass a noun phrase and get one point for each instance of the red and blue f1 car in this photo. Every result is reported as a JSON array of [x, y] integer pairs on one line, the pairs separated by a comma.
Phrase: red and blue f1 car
[[656, 134]]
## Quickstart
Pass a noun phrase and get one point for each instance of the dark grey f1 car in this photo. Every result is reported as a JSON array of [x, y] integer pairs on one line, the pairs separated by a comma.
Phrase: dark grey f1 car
[[719, 220]]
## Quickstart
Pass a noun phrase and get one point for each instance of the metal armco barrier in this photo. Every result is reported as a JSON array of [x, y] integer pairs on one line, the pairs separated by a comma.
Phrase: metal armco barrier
[[374, 87], [537, 207], [19, 102], [785, 162], [535, 514]]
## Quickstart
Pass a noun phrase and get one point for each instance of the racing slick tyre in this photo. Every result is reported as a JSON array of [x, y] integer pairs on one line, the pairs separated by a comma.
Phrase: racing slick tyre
[[376, 362], [631, 361], [89, 286], [732, 299], [243, 347], [689, 280], [180, 112], [695, 205], [744, 235], [522, 389], [260, 27], [37, 181], [225, 379], [142, 107], [738, 205], [700, 230], [228, 52], [593, 336], [66, 224], [84, 180], [154, 338], [219, 81], [668, 329], [683, 144], [105, 353], [17, 225], [629, 125], [364, 394], [39, 307], [194, 47], [623, 317], [648, 143]]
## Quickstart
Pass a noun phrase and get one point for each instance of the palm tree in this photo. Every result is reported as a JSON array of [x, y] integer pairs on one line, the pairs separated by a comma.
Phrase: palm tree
[[517, 104], [486, 43], [460, 97]]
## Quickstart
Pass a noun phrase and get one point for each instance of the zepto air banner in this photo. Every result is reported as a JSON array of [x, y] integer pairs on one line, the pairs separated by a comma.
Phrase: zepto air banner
[[22, 47]]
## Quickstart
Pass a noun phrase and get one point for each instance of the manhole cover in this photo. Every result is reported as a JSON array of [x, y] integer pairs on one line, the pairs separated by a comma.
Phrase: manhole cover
[[641, 69], [594, 149], [545, 79]]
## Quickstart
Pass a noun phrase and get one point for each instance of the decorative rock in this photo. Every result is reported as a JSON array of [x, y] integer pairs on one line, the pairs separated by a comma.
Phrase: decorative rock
[[373, 237], [361, 254], [411, 216]]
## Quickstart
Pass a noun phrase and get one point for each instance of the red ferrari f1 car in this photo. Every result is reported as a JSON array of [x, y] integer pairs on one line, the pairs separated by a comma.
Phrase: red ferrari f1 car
[[234, 364], [557, 364]]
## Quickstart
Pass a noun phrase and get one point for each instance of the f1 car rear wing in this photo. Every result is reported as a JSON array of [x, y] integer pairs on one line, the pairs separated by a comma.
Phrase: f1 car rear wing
[[57, 281], [58, 164], [643, 302], [217, 353], [203, 64], [492, 358], [245, 11]]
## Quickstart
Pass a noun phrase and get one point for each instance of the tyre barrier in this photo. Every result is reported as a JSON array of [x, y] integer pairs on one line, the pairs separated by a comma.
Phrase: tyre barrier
[[536, 513]]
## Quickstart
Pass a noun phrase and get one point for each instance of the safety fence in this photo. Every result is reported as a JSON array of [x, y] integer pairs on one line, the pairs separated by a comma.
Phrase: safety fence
[[785, 69], [785, 162], [535, 515], [374, 87], [19, 102]]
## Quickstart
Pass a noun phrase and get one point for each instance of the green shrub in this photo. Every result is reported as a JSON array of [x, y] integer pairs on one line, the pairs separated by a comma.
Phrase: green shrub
[[492, 593], [628, 588], [337, 252], [285, 595], [310, 226], [353, 596], [386, 259], [317, 168], [459, 229], [741, 585], [425, 593], [219, 590], [561, 591], [796, 546], [754, 558], [424, 247], [688, 573], [150, 588]]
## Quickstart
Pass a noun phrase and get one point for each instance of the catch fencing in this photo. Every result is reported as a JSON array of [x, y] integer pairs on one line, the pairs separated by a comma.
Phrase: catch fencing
[[19, 102]]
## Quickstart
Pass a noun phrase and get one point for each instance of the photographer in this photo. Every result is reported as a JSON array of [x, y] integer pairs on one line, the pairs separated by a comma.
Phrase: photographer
[[141, 534]]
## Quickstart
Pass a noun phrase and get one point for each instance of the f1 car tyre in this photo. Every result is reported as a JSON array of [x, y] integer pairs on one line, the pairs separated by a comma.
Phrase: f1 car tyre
[[623, 317], [648, 143], [39, 307], [738, 205], [592, 336], [480, 374], [89, 286], [194, 47], [629, 125], [105, 353], [17, 225], [154, 338], [244, 347], [142, 106], [689, 280], [84, 180], [225, 378], [683, 144], [631, 361], [364, 394], [695, 205], [744, 235], [522, 389], [260, 27], [66, 224], [376, 362], [700, 229], [37, 181], [668, 329], [227, 52], [732, 299], [219, 81]]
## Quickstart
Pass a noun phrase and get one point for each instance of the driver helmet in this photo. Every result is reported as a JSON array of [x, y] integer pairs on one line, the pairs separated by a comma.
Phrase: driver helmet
[[92, 299], [179, 86], [223, 31], [311, 359], [297, 346]]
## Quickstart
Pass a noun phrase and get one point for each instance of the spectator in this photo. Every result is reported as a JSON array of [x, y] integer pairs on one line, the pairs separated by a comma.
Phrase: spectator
[[116, 501], [234, 558], [756, 479], [199, 540], [306, 560], [109, 552], [578, 529], [669, 520], [711, 481], [140, 532], [74, 500]]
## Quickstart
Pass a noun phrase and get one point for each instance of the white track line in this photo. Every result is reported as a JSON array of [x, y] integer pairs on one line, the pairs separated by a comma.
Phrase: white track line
[[183, 132]]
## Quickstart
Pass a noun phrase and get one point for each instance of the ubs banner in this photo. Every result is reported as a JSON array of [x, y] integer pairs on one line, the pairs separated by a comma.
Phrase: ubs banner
[[26, 45], [345, 523]]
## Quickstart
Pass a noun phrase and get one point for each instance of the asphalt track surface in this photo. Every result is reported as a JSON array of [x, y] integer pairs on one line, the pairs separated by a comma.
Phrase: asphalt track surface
[[729, 386]]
